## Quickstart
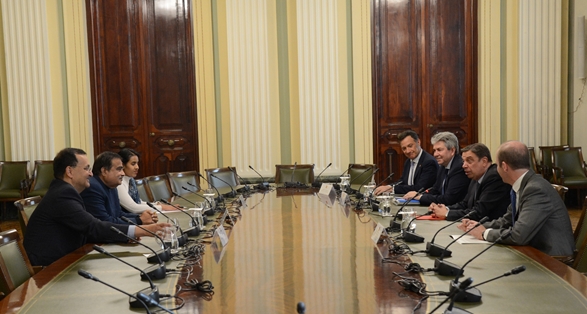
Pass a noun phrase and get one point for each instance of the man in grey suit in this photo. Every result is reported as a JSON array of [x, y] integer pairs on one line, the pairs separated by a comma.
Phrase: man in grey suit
[[537, 216]]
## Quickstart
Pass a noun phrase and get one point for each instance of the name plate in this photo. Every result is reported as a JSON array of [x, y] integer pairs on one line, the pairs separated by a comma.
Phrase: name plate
[[327, 194]]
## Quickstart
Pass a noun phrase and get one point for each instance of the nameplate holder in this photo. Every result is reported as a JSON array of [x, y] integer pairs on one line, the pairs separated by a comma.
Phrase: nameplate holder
[[327, 194]]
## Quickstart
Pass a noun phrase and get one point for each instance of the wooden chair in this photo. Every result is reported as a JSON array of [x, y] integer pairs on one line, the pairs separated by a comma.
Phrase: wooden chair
[[546, 160], [561, 190], [144, 192], [26, 207], [569, 169], [158, 187], [535, 167], [304, 173], [15, 267], [14, 176], [223, 177], [42, 177], [187, 179], [359, 172]]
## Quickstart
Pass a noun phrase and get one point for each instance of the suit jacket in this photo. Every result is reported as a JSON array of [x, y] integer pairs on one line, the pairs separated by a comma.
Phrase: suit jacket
[[542, 219], [60, 224], [456, 186], [424, 175], [493, 198], [103, 203]]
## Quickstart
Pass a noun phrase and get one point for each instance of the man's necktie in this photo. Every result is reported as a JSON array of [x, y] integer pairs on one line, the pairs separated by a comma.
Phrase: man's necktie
[[412, 171], [133, 191], [444, 181], [513, 200]]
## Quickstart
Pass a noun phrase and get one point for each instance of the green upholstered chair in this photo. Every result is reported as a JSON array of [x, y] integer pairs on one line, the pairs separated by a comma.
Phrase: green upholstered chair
[[546, 160], [568, 169], [14, 176], [187, 179], [26, 207], [303, 173], [360, 172], [159, 187], [15, 267], [223, 177], [533, 162], [42, 177], [144, 192]]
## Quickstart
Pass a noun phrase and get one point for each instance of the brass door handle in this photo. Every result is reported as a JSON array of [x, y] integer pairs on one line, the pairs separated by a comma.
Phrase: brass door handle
[[122, 144], [171, 142]]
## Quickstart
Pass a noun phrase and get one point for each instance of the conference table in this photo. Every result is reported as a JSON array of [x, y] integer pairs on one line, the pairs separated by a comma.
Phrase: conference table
[[286, 247]]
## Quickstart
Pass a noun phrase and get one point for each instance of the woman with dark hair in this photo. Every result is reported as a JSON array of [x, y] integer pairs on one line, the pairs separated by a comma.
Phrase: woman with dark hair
[[127, 191]]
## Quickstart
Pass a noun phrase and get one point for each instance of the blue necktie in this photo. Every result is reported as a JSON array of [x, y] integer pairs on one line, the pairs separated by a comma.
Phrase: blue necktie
[[513, 200], [133, 191]]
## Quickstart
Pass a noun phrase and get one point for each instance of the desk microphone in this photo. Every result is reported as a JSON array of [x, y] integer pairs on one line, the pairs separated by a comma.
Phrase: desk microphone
[[413, 237], [450, 310], [151, 302], [209, 212], [360, 175], [159, 270], [163, 255], [317, 184], [232, 192], [435, 249], [264, 185], [153, 291], [387, 178], [193, 231], [291, 183], [136, 303], [245, 188], [473, 294], [220, 198], [445, 268], [394, 225]]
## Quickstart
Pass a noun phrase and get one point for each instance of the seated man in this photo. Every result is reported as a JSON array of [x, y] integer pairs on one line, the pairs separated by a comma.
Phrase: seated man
[[451, 182], [101, 198], [536, 216], [420, 168], [60, 224], [488, 195]]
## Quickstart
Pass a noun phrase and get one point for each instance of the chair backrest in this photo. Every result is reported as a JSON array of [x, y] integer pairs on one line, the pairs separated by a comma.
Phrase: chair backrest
[[177, 180], [546, 160], [26, 207], [159, 187], [303, 173], [533, 163], [570, 160], [223, 177], [42, 177], [15, 267], [359, 172], [144, 192], [13, 176]]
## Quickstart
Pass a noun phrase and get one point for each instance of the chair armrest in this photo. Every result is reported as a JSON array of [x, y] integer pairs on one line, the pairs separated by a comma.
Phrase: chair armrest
[[560, 178]]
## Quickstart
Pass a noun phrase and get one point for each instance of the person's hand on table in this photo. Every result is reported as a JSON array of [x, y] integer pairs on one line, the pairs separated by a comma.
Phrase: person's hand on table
[[383, 189]]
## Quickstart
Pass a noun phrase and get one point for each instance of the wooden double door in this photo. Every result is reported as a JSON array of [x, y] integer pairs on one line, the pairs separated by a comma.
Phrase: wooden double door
[[424, 74], [142, 81]]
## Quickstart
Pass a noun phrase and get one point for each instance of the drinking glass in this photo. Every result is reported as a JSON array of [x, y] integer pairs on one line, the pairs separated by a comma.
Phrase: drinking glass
[[408, 218], [170, 239]]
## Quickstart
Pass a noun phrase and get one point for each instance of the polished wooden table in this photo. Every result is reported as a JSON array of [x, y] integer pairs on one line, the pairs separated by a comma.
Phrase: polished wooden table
[[284, 250]]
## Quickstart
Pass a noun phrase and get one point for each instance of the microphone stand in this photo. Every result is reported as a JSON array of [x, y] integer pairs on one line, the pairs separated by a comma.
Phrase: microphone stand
[[158, 271], [317, 184], [450, 310], [336, 185], [435, 249], [351, 190], [387, 178], [358, 193], [220, 198], [163, 255], [246, 188], [291, 183], [232, 192], [394, 225], [87, 275], [264, 185], [192, 231], [152, 302], [445, 268], [413, 237], [154, 291], [209, 212], [473, 294]]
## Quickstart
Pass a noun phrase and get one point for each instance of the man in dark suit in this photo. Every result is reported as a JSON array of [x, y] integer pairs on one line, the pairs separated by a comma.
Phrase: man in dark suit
[[61, 224], [487, 196], [451, 182], [101, 198], [419, 168], [536, 216]]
